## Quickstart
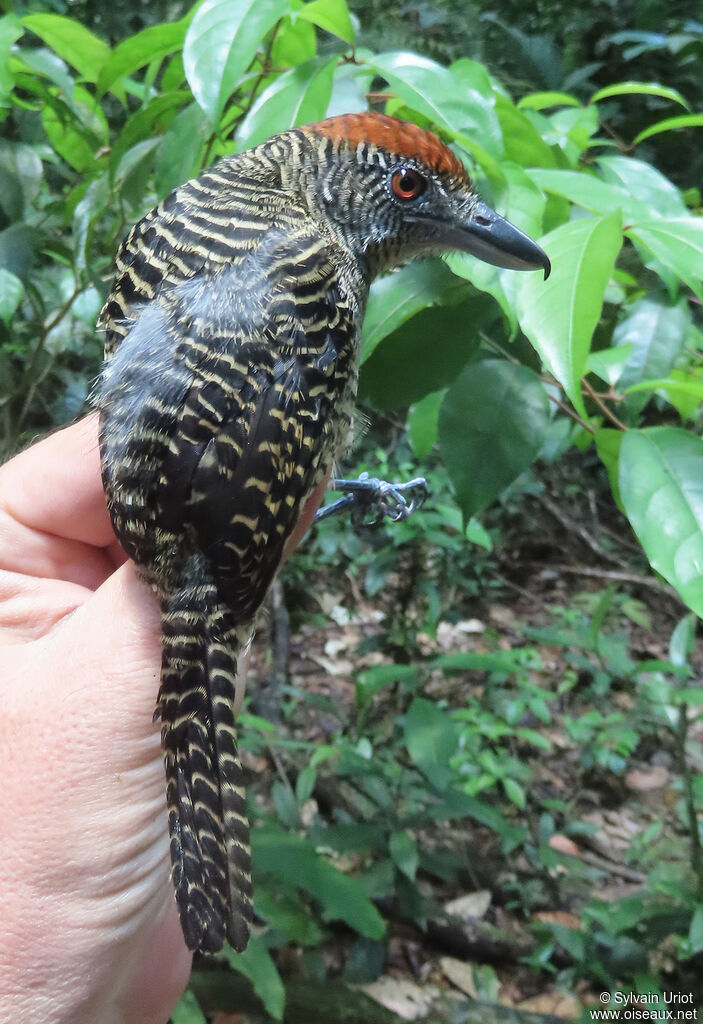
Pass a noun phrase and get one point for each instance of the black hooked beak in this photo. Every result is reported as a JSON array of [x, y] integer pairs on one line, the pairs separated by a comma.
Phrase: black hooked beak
[[495, 240]]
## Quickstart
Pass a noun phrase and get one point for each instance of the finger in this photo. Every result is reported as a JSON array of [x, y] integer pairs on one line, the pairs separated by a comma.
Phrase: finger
[[53, 519]]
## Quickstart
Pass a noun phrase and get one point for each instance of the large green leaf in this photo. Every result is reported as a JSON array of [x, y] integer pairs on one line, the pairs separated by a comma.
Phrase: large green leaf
[[466, 115], [295, 97], [180, 149], [341, 897], [77, 45], [661, 484], [330, 15], [221, 43], [131, 54], [11, 292], [590, 192], [640, 89], [255, 963], [491, 426], [431, 739], [655, 332], [645, 183], [560, 316], [678, 243], [670, 124], [396, 297], [188, 1011], [426, 353], [10, 31]]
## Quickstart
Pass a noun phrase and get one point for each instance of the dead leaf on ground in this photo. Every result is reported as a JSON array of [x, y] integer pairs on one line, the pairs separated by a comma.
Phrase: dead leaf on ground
[[401, 996], [460, 973], [562, 844], [562, 917], [472, 904], [556, 1003]]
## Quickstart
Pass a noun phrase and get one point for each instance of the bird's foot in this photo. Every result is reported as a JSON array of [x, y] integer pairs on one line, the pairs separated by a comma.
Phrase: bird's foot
[[371, 500]]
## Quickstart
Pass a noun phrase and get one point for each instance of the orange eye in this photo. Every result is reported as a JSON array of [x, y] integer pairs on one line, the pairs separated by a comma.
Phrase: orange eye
[[407, 183]]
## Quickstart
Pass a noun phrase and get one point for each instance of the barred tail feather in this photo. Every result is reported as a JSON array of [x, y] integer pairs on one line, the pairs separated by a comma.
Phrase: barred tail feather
[[204, 786]]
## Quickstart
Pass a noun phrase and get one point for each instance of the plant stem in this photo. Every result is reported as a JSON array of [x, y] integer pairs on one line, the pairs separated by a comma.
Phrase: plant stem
[[689, 798]]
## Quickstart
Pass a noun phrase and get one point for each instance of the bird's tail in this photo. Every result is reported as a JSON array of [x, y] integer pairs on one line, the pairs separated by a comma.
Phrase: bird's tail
[[208, 825]]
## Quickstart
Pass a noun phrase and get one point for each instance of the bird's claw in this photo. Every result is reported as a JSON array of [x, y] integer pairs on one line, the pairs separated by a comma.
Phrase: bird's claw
[[372, 500]]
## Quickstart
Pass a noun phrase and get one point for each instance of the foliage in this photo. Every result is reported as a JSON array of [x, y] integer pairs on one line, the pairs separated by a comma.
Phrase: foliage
[[489, 369]]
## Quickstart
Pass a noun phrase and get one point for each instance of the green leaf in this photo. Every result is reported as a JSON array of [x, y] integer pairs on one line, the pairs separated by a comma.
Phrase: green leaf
[[431, 739], [608, 447], [491, 426], [608, 363], [148, 121], [221, 42], [74, 43], [661, 482], [10, 31], [188, 1010], [655, 332], [150, 44], [342, 897], [695, 932], [422, 422], [645, 183], [398, 296], [78, 133], [180, 149], [295, 97], [590, 192], [670, 124], [404, 853], [433, 91], [11, 292], [560, 316], [514, 792], [330, 15], [542, 100], [400, 373], [522, 140], [47, 64], [678, 243], [640, 89], [287, 914], [255, 963]]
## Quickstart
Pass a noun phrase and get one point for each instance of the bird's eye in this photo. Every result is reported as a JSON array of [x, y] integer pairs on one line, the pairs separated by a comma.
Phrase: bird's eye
[[407, 183]]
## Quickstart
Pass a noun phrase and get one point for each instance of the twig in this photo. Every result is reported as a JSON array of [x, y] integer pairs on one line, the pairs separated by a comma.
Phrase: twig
[[622, 577], [572, 527], [602, 406]]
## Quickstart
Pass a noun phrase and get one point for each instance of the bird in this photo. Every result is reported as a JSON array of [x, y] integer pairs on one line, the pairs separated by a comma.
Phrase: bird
[[232, 335]]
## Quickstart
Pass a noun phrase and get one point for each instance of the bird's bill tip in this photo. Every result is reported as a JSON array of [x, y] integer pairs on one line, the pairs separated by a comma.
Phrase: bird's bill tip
[[493, 239]]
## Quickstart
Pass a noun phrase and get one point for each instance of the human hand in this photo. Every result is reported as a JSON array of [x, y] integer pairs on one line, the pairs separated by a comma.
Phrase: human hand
[[89, 929]]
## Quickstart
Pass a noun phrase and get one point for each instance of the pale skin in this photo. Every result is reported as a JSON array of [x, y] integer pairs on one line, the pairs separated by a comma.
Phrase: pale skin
[[89, 929]]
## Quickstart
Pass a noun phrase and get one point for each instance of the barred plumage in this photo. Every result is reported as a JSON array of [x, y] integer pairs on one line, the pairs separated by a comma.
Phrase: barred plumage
[[232, 335]]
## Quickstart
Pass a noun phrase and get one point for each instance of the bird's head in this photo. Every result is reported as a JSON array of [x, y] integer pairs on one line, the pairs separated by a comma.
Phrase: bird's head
[[392, 191]]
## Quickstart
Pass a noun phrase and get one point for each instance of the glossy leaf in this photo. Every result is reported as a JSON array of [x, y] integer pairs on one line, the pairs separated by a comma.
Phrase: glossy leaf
[[560, 315], [74, 43], [661, 483], [255, 963], [640, 89], [426, 353], [330, 15], [11, 292], [150, 44], [432, 91], [221, 42], [422, 423], [678, 243], [608, 447], [10, 31], [491, 426], [46, 64], [396, 297], [180, 149], [656, 333], [542, 100], [645, 183], [670, 124], [294, 97], [590, 192]]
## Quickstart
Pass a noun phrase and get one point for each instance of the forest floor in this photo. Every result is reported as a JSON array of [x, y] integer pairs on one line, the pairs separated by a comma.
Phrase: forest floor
[[612, 777]]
